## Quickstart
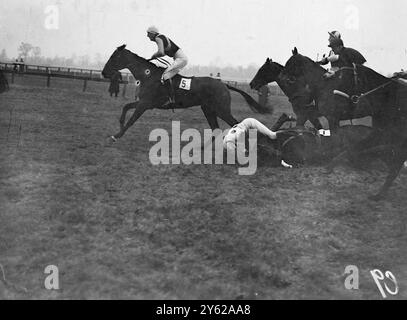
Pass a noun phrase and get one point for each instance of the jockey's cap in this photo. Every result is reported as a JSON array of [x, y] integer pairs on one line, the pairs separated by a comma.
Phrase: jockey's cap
[[335, 34], [152, 29]]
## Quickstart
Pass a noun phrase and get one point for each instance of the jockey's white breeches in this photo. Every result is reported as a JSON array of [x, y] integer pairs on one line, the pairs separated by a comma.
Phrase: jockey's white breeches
[[235, 133], [180, 61]]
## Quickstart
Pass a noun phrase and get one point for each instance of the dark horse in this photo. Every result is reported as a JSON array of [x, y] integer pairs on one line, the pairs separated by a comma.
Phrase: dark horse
[[301, 146], [387, 99], [211, 94], [298, 92], [300, 68], [3, 82]]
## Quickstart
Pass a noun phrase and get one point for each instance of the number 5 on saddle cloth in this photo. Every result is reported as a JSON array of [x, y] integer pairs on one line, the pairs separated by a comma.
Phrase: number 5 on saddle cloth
[[172, 84]]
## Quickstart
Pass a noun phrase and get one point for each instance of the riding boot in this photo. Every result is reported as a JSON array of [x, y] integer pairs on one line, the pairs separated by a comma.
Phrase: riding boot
[[170, 89]]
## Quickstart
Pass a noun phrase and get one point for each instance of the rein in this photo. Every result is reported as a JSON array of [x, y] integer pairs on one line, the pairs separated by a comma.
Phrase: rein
[[356, 98]]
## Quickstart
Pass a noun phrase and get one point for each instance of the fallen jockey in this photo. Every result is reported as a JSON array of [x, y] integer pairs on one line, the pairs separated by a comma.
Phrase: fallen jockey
[[268, 140], [296, 146]]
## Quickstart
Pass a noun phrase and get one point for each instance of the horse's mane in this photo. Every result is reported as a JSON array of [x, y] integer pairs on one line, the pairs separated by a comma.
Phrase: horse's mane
[[277, 64], [371, 72], [313, 62], [142, 59]]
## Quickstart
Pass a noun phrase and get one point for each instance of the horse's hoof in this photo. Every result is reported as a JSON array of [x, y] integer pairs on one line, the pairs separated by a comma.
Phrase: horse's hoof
[[110, 140]]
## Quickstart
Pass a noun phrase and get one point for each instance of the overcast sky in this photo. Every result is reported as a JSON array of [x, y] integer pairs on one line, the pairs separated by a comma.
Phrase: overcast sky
[[236, 32]]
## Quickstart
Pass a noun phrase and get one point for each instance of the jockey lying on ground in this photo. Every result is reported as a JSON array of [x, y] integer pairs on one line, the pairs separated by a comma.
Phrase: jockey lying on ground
[[296, 146]]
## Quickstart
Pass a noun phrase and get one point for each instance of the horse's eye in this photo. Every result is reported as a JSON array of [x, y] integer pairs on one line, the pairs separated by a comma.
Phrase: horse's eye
[[137, 83], [147, 72]]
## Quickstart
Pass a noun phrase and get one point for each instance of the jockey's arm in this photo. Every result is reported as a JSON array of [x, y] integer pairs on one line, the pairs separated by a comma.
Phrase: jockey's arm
[[403, 74], [331, 58], [160, 52]]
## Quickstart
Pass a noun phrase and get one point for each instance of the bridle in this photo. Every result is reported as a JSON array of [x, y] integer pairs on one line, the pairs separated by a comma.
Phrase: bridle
[[356, 98]]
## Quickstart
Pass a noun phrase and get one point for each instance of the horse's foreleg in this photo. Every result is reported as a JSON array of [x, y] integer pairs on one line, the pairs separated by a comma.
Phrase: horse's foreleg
[[301, 119], [139, 110], [313, 117], [333, 123], [125, 109]]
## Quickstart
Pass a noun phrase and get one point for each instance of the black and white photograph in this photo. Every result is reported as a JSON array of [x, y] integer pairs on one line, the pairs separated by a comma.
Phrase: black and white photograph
[[226, 151]]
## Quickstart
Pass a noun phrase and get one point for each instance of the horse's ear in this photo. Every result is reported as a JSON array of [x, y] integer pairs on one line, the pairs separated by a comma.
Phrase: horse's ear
[[295, 51], [268, 60], [121, 47]]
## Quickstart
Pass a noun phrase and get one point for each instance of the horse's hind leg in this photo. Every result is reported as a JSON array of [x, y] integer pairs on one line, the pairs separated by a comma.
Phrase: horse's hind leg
[[213, 123], [370, 141], [228, 118], [210, 117], [222, 107], [394, 169]]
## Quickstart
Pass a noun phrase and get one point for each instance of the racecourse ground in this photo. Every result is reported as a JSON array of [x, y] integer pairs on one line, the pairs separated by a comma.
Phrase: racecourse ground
[[118, 227]]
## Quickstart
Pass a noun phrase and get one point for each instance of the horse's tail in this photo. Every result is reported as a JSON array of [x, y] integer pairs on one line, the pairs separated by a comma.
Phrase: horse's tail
[[251, 102]]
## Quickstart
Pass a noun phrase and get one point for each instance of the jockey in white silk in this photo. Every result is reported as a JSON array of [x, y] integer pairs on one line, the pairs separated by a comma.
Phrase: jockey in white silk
[[231, 138]]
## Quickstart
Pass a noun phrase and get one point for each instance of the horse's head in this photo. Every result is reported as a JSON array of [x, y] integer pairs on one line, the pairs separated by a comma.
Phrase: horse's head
[[294, 67], [300, 69], [118, 60], [269, 72]]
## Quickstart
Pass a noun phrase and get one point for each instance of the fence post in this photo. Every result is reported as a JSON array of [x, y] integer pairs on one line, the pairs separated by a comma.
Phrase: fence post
[[85, 83], [48, 77], [125, 85], [124, 90], [12, 77]]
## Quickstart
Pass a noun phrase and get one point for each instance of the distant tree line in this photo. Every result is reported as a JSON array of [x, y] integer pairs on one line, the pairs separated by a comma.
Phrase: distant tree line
[[32, 55]]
